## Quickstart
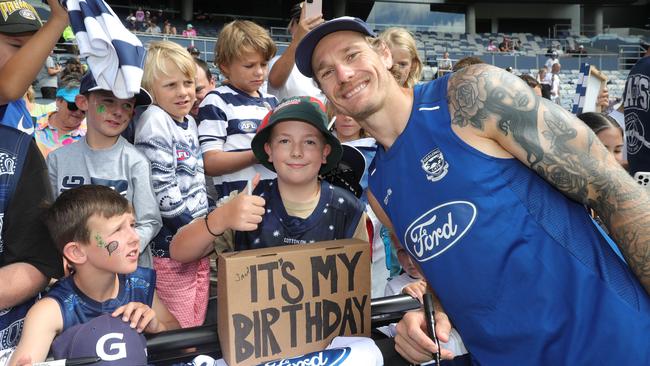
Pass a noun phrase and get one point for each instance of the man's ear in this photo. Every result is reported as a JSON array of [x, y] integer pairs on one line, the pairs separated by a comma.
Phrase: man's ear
[[267, 149], [82, 102], [327, 149], [75, 252]]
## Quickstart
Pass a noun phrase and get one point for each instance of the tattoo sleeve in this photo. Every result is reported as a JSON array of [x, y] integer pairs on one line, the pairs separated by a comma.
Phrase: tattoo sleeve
[[560, 148]]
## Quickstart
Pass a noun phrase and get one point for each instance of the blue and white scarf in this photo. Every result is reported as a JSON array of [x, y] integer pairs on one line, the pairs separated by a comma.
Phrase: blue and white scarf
[[114, 54]]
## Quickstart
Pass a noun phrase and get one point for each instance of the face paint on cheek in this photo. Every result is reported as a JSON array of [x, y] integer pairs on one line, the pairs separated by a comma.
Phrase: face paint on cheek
[[100, 242], [112, 246], [101, 108]]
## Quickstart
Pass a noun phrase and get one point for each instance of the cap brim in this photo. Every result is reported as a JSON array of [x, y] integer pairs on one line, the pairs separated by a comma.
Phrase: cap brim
[[142, 98], [354, 159], [19, 28], [307, 45]]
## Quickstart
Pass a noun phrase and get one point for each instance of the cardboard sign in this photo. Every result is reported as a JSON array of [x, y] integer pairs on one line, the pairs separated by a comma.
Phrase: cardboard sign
[[287, 301]]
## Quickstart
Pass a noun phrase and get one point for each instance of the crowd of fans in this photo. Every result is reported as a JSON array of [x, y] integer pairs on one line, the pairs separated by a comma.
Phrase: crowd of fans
[[182, 158]]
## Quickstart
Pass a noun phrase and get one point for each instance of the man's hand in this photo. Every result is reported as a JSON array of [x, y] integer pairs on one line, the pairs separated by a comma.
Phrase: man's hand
[[279, 72], [412, 341], [306, 24], [57, 11], [141, 317]]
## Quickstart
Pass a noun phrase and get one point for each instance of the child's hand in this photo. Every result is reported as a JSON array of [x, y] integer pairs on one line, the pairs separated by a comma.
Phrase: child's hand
[[141, 317], [245, 211], [416, 290]]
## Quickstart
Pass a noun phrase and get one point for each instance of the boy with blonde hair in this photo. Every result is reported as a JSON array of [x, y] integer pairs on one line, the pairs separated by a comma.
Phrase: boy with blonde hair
[[93, 227], [229, 115], [166, 134]]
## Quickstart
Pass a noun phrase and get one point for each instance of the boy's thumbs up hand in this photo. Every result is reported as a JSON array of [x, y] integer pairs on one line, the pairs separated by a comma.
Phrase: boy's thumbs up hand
[[245, 211]]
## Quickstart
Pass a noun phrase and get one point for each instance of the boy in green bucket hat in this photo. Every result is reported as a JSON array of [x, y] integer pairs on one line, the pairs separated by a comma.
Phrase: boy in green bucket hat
[[292, 140]]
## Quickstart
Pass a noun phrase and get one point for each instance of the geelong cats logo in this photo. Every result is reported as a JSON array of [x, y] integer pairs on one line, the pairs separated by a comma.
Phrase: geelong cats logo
[[435, 165], [439, 229], [7, 164]]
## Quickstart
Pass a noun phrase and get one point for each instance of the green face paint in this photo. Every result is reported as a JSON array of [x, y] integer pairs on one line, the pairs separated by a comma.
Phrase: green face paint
[[110, 247], [101, 108], [100, 242]]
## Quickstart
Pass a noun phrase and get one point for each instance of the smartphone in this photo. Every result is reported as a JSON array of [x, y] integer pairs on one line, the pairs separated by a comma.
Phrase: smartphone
[[643, 178], [313, 8]]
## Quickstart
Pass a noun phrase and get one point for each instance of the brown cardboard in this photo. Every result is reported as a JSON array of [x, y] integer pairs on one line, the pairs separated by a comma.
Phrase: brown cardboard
[[261, 320]]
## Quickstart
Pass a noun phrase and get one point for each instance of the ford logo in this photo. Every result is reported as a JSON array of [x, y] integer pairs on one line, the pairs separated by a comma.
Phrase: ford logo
[[247, 126], [439, 229], [330, 357]]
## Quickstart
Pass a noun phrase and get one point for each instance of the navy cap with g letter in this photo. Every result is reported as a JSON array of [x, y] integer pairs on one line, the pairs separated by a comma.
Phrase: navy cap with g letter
[[307, 45], [110, 339]]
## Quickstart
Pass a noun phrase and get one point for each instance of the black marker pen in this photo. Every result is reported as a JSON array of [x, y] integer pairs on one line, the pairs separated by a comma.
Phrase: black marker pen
[[431, 324]]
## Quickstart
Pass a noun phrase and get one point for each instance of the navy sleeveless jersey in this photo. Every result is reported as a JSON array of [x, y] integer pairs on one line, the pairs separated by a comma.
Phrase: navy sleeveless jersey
[[336, 216], [77, 308], [14, 147], [521, 270]]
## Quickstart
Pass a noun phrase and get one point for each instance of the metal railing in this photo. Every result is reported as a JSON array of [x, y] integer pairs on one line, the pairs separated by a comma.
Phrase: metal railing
[[603, 61], [204, 44], [628, 55]]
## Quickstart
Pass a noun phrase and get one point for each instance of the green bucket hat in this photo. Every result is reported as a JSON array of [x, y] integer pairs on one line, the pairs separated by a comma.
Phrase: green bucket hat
[[305, 109]]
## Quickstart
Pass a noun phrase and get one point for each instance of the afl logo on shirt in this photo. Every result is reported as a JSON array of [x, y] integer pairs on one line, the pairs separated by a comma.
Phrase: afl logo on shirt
[[435, 165], [182, 155], [247, 126], [439, 229]]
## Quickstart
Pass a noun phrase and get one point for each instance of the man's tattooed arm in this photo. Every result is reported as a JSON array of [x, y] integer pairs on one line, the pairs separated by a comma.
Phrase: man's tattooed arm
[[560, 148]]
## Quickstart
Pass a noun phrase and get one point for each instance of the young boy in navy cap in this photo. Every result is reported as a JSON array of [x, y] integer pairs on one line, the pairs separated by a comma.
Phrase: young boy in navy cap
[[292, 140], [104, 157], [93, 226]]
